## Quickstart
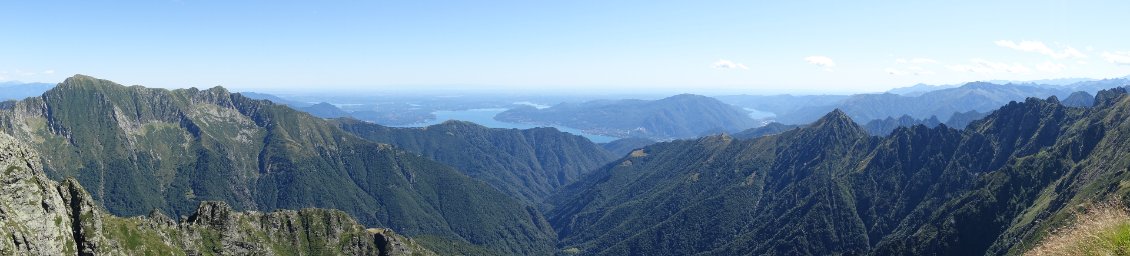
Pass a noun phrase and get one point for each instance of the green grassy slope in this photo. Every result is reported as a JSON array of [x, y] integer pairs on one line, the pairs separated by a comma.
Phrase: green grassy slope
[[528, 164]]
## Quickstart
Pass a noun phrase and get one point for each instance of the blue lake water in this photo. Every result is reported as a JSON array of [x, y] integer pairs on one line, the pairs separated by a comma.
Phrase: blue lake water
[[758, 114], [485, 117]]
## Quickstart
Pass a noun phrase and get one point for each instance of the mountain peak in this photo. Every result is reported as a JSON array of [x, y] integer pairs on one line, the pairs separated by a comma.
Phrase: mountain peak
[[687, 96], [220, 90], [1109, 96], [836, 114], [978, 85], [85, 80], [79, 77], [1079, 99], [460, 123], [839, 123]]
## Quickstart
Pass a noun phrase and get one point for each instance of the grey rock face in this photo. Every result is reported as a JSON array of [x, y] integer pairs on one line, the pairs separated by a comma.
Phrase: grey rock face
[[41, 217]]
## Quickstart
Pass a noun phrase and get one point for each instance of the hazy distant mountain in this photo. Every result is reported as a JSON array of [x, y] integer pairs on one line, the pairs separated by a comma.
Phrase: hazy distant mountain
[[877, 127], [883, 127], [17, 91], [1094, 86], [781, 104], [275, 99], [1057, 81], [680, 116], [919, 89], [995, 188], [1079, 99], [139, 149], [979, 96], [960, 120], [920, 101], [768, 129], [325, 110], [400, 117]]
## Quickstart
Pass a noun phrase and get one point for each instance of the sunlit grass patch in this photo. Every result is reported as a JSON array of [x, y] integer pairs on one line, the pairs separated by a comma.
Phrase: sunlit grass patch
[[1102, 230]]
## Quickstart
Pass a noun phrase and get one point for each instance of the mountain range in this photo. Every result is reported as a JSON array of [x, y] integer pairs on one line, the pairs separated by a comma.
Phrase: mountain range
[[93, 167], [140, 149], [997, 187], [918, 102], [981, 97], [322, 109], [17, 90], [679, 116]]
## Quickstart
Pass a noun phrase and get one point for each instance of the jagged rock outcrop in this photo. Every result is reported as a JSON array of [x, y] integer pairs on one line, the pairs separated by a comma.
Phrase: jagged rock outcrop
[[35, 218], [41, 217], [216, 228]]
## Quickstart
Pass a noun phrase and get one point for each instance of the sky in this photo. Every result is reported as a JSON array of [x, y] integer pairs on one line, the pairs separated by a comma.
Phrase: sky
[[562, 46]]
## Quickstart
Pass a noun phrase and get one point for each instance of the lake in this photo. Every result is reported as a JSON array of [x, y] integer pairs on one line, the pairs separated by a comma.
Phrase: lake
[[485, 117]]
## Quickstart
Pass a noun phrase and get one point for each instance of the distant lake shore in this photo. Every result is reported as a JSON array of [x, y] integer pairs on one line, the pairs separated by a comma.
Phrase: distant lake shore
[[485, 117]]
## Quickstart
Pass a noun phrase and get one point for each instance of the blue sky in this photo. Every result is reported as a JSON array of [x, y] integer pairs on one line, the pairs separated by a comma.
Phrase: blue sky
[[563, 46]]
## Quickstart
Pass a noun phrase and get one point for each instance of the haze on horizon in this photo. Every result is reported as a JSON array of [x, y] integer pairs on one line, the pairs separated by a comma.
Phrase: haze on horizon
[[574, 46]]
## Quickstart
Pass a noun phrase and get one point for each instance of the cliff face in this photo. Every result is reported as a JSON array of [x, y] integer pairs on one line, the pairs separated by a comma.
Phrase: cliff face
[[41, 217], [34, 216]]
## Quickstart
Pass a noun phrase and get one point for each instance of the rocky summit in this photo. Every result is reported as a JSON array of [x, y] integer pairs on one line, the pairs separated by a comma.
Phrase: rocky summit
[[39, 216]]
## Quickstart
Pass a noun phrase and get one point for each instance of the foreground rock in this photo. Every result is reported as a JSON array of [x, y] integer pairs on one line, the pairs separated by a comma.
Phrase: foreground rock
[[41, 217]]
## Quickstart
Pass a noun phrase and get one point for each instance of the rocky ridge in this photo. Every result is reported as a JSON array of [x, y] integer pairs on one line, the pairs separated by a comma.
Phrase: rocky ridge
[[39, 216]]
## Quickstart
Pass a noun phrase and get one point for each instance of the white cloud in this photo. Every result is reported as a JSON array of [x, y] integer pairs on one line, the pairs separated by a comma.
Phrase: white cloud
[[1050, 67], [727, 64], [821, 61], [917, 61], [21, 75], [1120, 58], [988, 67], [1072, 52], [1041, 48]]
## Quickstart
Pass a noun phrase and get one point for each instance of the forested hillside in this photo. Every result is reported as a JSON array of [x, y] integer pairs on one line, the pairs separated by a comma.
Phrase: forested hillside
[[528, 164], [139, 149], [997, 187]]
